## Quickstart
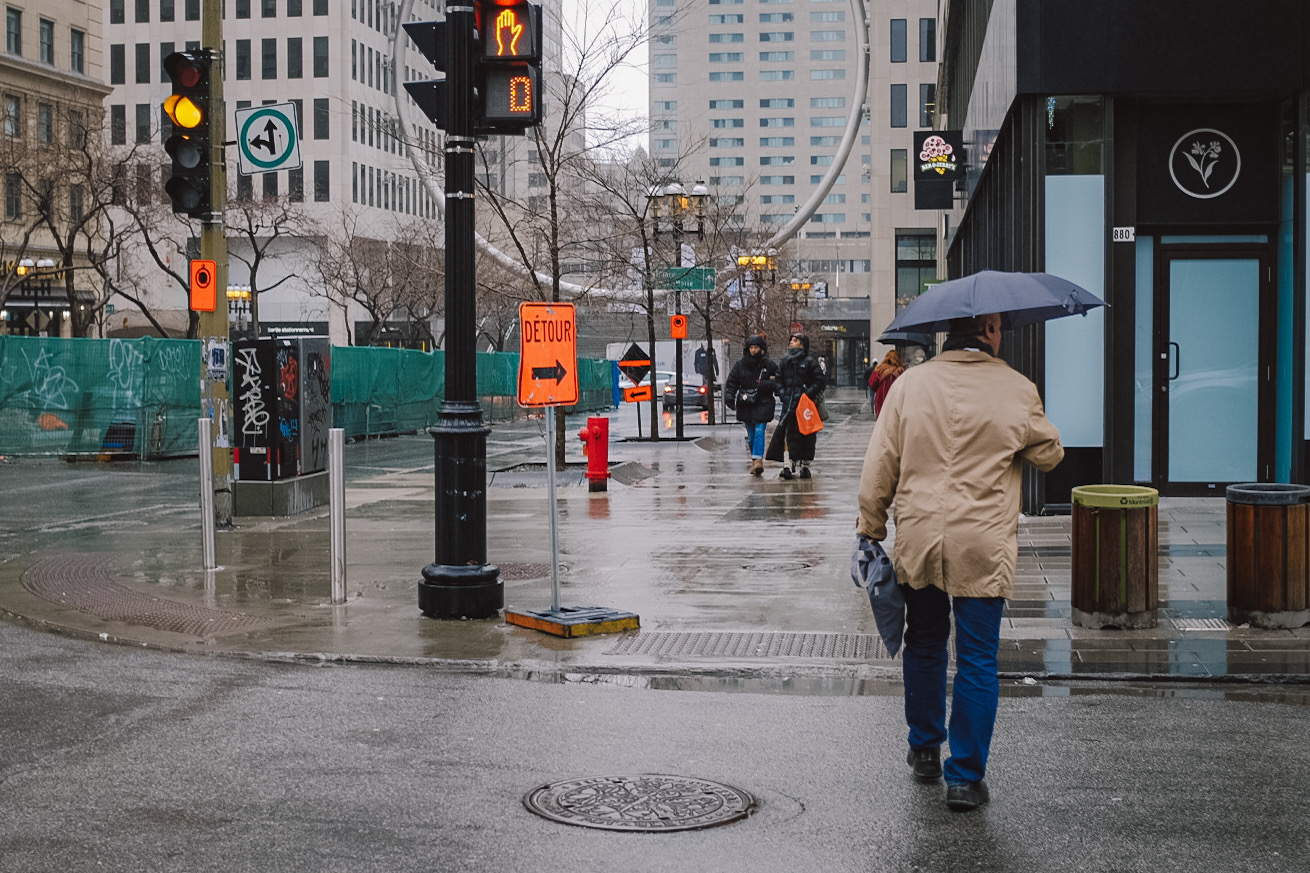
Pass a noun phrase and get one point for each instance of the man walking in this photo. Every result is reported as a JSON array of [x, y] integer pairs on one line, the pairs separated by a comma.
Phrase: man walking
[[948, 447]]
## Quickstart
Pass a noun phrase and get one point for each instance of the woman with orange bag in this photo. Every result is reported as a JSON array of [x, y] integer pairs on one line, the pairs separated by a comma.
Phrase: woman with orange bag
[[798, 374]]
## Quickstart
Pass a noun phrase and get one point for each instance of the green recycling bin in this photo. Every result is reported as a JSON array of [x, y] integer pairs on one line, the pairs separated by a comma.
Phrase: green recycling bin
[[1115, 564]]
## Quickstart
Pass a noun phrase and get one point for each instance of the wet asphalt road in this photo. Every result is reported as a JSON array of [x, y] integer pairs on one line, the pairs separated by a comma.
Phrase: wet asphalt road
[[119, 759]]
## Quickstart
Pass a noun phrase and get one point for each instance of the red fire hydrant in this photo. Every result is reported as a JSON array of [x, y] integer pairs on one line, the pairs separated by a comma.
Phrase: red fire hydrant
[[596, 447]]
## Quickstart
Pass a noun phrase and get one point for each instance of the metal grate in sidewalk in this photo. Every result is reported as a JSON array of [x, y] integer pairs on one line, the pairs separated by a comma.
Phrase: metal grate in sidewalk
[[83, 582], [740, 644], [1202, 624]]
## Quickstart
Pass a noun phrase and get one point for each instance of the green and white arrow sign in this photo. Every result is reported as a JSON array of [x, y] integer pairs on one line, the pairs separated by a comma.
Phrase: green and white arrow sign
[[267, 139]]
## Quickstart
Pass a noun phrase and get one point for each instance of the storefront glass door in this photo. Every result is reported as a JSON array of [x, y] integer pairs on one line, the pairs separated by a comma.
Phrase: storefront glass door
[[1209, 392]]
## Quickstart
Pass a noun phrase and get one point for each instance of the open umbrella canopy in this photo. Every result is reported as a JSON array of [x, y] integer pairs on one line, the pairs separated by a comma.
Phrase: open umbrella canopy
[[1021, 298]]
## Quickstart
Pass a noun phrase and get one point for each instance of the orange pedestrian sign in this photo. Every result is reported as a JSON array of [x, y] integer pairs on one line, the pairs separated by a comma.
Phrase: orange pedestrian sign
[[548, 360], [204, 285]]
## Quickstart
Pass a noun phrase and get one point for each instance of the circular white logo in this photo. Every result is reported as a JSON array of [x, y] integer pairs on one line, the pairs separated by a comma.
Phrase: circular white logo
[[1204, 163]]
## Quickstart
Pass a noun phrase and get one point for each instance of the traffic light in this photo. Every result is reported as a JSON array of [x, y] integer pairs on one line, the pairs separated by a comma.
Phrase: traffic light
[[507, 67], [189, 146], [430, 95]]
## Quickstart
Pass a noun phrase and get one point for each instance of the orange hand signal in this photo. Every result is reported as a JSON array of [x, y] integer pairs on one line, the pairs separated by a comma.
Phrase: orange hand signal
[[508, 27]]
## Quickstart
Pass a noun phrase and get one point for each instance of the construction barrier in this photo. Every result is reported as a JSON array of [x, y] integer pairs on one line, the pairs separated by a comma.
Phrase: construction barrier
[[141, 397]]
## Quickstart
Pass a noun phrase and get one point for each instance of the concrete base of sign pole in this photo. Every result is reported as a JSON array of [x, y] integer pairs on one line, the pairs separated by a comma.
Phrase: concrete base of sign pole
[[574, 621]]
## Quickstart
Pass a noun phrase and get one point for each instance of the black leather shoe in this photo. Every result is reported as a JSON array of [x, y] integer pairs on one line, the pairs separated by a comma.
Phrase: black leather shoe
[[805, 472], [927, 764], [786, 473], [967, 796]]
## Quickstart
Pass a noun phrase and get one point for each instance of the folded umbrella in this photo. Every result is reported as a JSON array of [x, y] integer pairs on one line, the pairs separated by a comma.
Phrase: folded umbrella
[[1021, 298], [871, 569]]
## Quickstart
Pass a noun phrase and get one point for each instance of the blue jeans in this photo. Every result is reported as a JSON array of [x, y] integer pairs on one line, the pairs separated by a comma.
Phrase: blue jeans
[[977, 687], [755, 438]]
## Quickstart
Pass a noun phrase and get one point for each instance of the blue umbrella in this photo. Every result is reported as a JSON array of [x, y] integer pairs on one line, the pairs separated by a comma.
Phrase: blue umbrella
[[1021, 298]]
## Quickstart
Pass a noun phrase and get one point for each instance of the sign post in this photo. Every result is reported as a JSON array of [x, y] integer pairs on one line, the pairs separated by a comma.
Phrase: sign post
[[548, 376]]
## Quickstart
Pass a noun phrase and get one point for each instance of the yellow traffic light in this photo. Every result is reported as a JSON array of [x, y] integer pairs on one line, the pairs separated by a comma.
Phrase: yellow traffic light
[[183, 112]]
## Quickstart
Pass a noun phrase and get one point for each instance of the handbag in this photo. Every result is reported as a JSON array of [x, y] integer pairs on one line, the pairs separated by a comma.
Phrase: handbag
[[807, 416], [745, 396], [822, 407]]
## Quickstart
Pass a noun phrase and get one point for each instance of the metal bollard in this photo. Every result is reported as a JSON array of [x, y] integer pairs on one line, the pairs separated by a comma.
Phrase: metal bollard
[[337, 511], [206, 449]]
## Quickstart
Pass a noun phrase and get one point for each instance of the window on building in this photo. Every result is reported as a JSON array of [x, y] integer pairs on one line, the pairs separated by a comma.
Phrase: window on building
[[192, 12], [898, 106], [827, 121], [727, 19], [47, 39], [777, 36], [777, 103], [897, 54], [142, 11], [45, 123], [296, 185], [117, 64], [777, 160], [776, 57], [825, 141], [725, 57], [193, 45], [822, 161], [777, 180], [727, 162], [268, 59], [666, 78], [295, 10], [118, 124], [116, 11], [270, 186], [717, 38], [773, 142], [268, 9], [321, 118], [13, 31], [728, 76], [13, 115], [13, 196], [827, 54], [777, 75], [928, 40], [776, 17], [76, 207], [165, 49], [776, 121], [295, 62], [900, 171], [76, 128], [827, 36], [827, 75], [320, 53], [243, 59], [77, 50], [143, 63], [144, 117], [321, 178], [916, 264], [825, 17], [927, 103], [166, 10], [242, 8], [320, 8], [727, 142]]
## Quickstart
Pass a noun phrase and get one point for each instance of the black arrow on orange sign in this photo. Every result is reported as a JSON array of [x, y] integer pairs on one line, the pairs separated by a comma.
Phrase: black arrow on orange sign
[[556, 372]]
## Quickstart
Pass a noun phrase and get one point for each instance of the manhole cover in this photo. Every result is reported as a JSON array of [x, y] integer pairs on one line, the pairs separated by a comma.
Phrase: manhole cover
[[646, 803]]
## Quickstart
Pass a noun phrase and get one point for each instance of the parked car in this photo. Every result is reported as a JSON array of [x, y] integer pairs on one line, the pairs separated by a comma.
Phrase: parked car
[[662, 378], [693, 396]]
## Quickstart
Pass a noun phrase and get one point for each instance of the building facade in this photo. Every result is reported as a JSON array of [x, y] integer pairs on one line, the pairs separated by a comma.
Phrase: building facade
[[1160, 161], [51, 88]]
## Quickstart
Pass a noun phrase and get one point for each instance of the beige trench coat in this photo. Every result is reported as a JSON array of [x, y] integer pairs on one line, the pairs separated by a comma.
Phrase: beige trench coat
[[948, 447]]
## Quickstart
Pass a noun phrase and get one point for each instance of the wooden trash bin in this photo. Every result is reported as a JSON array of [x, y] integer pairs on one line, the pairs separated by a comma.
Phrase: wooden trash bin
[[1115, 566], [1269, 554]]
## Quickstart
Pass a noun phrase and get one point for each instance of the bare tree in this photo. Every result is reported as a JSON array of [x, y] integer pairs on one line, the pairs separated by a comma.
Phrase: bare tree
[[257, 229]]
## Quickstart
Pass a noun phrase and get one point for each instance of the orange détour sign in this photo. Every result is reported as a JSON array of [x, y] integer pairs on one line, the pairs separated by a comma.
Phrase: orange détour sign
[[548, 361]]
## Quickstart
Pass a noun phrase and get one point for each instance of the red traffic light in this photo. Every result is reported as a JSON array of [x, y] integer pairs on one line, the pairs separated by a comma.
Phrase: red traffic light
[[185, 69]]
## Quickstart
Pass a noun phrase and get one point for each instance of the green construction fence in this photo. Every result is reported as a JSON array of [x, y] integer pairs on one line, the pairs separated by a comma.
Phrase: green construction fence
[[141, 397]]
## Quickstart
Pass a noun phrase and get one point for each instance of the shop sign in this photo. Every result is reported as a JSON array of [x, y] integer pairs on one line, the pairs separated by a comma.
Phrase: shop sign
[[1204, 163]]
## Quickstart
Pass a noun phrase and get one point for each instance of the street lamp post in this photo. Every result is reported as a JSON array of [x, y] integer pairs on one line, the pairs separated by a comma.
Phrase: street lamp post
[[674, 201]]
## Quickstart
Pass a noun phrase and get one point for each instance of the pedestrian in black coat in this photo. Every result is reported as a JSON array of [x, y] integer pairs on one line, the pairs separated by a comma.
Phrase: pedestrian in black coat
[[798, 373], [749, 391]]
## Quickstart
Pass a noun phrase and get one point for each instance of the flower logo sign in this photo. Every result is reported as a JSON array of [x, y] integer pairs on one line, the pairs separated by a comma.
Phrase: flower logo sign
[[937, 154], [1204, 163]]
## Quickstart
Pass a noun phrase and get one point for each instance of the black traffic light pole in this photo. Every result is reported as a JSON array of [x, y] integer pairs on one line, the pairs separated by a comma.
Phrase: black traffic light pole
[[460, 582]]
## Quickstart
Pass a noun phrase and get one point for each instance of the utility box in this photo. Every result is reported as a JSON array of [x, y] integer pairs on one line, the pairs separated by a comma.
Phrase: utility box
[[282, 407]]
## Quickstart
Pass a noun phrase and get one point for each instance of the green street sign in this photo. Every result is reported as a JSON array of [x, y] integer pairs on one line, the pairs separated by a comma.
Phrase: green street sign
[[687, 278]]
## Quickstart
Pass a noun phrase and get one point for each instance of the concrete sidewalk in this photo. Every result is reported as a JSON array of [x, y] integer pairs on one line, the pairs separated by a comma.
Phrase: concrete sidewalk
[[734, 578]]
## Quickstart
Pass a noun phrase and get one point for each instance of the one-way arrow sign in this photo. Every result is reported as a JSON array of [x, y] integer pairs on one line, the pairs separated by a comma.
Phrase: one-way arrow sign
[[556, 372]]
